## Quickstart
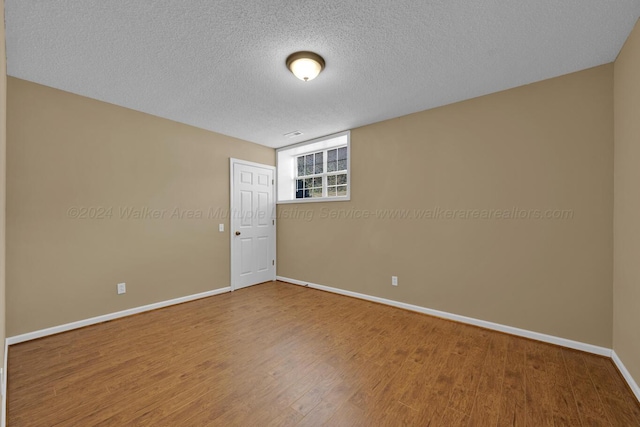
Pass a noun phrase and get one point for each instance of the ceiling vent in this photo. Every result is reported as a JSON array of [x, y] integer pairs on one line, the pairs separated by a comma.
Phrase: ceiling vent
[[293, 134]]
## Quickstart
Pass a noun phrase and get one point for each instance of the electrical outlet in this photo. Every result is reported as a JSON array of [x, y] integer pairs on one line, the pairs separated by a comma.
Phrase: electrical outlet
[[221, 227], [122, 288], [394, 280]]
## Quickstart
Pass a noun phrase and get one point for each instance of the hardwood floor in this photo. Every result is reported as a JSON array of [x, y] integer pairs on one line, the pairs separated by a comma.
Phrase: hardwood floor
[[282, 355]]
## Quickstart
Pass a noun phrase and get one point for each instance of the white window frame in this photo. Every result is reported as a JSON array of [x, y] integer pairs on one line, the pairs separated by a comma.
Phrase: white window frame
[[286, 161], [324, 175]]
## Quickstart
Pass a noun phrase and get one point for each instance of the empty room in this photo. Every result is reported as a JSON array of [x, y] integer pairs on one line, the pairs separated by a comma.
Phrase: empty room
[[338, 213]]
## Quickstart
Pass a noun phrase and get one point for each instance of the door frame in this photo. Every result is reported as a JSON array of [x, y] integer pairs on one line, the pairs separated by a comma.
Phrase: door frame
[[233, 219]]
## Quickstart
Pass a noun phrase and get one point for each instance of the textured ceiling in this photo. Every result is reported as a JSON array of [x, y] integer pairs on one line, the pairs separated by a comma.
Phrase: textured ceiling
[[219, 64]]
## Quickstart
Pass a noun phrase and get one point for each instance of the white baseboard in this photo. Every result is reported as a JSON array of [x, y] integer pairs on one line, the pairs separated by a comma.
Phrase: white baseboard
[[627, 376], [99, 319], [3, 413], [589, 348]]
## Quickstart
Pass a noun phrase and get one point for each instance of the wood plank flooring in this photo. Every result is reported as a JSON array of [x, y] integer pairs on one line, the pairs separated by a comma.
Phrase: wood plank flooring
[[282, 355]]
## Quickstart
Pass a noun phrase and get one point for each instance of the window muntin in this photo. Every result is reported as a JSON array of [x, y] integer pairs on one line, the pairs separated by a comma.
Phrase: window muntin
[[311, 179]]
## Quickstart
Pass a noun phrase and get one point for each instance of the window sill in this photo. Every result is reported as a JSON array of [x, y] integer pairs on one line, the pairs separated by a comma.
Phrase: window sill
[[316, 200]]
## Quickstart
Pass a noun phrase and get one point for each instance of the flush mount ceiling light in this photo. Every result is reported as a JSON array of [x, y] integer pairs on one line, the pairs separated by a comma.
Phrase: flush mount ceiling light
[[305, 65]]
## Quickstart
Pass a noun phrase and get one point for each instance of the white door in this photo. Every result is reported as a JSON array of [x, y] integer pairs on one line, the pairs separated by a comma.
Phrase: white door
[[253, 226]]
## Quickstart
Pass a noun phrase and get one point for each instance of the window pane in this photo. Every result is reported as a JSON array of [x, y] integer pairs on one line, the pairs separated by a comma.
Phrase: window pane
[[299, 184], [316, 192], [342, 165], [300, 165], [317, 182], [331, 180], [342, 190], [332, 163], [319, 164], [308, 170], [299, 194], [342, 153], [308, 183], [331, 191], [342, 179]]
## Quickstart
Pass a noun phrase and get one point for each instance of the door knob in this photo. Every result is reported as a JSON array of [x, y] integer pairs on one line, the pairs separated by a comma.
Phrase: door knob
[[237, 233]]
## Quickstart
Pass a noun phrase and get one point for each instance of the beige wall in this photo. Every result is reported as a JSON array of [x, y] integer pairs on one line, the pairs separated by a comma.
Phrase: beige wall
[[626, 290], [66, 151], [543, 146], [3, 145]]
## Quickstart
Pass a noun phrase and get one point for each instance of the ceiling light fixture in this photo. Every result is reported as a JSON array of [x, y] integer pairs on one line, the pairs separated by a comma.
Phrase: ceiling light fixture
[[305, 65]]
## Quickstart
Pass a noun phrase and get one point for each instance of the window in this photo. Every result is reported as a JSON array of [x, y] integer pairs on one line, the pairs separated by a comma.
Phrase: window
[[322, 174], [314, 171]]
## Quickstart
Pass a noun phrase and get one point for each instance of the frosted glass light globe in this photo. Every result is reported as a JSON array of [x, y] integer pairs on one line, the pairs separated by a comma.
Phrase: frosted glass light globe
[[305, 69], [305, 65]]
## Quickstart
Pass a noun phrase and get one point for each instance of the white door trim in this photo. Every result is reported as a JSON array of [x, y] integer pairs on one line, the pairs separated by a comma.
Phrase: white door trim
[[232, 216]]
